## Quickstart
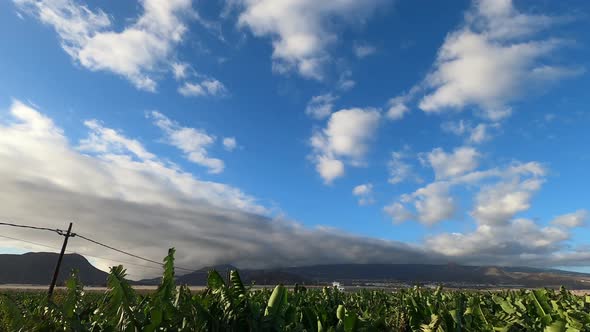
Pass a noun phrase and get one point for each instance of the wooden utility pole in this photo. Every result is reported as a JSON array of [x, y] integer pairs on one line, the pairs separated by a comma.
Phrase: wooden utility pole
[[61, 256]]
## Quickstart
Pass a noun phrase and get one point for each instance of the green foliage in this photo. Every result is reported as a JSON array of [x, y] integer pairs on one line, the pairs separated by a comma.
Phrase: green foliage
[[232, 306], [10, 314]]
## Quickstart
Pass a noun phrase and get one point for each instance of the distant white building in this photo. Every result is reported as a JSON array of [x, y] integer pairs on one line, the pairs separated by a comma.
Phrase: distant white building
[[337, 285]]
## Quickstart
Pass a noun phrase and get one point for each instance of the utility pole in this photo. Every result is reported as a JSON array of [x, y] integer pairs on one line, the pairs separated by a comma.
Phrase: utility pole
[[61, 255]]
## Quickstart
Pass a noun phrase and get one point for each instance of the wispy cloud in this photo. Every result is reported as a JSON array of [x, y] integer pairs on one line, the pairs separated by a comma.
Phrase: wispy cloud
[[363, 50], [137, 52], [301, 31], [571, 220], [321, 106], [148, 205], [104, 140], [493, 59], [230, 143], [193, 142], [399, 169], [499, 197], [435, 202], [460, 161], [207, 87], [477, 134], [364, 193]]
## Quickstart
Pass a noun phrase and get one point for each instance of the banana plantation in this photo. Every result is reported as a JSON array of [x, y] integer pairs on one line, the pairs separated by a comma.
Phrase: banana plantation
[[233, 306]]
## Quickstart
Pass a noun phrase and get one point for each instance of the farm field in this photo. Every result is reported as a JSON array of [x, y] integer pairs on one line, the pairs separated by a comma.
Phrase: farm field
[[148, 289], [294, 165], [232, 306]]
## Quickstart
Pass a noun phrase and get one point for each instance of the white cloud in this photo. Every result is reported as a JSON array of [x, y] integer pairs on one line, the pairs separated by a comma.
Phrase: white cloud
[[494, 58], [115, 196], [479, 133], [398, 212], [301, 30], [460, 161], [345, 82], [504, 192], [397, 109], [350, 130], [105, 140], [458, 128], [48, 158], [347, 137], [398, 106], [137, 52], [364, 50], [147, 206], [329, 169], [434, 203], [498, 203], [208, 87], [364, 193], [362, 189], [500, 237], [180, 70], [193, 142], [399, 170], [230, 143], [186, 76], [473, 134], [549, 117], [74, 23], [519, 242], [571, 220], [500, 20], [320, 107], [488, 62]]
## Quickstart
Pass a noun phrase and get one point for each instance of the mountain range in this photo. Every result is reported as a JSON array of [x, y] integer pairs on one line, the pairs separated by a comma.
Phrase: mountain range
[[37, 269]]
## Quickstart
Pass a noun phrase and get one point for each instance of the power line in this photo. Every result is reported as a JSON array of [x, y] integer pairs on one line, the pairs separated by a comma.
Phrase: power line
[[63, 233], [116, 261], [56, 230], [29, 242], [117, 250], [127, 253], [84, 254]]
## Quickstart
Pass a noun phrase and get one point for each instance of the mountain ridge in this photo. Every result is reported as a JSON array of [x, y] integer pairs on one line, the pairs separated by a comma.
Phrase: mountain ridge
[[37, 269]]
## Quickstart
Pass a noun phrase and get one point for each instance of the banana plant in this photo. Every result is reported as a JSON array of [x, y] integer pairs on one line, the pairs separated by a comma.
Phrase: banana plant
[[231, 306]]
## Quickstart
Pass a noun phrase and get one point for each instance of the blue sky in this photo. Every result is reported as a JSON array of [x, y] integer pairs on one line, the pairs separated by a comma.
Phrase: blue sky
[[453, 131]]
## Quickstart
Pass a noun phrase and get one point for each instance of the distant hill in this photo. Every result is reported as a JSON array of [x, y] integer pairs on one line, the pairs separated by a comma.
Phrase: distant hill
[[453, 275], [259, 277], [36, 268]]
